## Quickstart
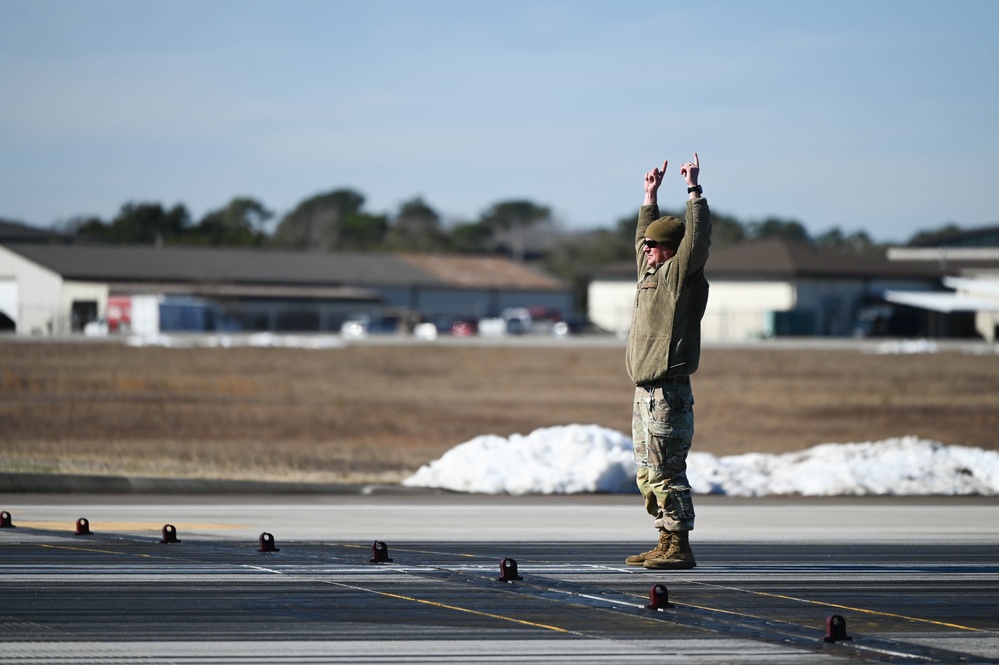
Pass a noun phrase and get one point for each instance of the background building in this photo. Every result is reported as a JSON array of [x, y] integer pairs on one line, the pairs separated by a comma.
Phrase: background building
[[777, 287], [970, 262], [52, 289]]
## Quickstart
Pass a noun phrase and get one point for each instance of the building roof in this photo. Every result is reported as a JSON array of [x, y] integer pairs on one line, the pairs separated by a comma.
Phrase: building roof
[[985, 287], [196, 265], [942, 301], [962, 256], [985, 236], [969, 295], [17, 232], [476, 272], [778, 258]]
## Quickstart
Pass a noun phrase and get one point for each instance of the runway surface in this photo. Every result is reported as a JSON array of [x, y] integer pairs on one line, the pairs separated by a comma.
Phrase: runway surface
[[909, 580]]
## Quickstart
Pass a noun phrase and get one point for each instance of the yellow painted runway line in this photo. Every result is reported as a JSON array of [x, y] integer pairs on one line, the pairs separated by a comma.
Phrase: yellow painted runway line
[[125, 526], [97, 527], [452, 607], [91, 549], [772, 595], [843, 607], [434, 603]]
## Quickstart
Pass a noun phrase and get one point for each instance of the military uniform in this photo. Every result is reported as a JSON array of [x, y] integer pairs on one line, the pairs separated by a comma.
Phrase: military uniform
[[664, 346]]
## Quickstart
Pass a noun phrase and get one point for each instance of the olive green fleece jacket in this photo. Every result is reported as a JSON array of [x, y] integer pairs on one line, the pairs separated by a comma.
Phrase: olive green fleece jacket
[[665, 335]]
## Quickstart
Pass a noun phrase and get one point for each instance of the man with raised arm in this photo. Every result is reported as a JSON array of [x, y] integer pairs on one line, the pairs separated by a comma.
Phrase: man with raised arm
[[664, 346]]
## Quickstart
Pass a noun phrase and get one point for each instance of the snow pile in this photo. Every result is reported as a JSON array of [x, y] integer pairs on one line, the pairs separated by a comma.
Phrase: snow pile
[[904, 466], [296, 341], [150, 340], [588, 458], [907, 347], [257, 340], [556, 460]]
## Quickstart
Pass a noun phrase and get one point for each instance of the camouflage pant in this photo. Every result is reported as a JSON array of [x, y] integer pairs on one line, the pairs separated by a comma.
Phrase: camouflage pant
[[662, 430]]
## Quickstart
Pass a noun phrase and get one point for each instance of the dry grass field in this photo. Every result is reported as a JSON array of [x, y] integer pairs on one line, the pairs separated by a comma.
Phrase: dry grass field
[[376, 412]]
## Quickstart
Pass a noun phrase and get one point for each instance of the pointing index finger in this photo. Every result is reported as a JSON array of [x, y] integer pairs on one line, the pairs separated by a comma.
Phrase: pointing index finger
[[696, 162]]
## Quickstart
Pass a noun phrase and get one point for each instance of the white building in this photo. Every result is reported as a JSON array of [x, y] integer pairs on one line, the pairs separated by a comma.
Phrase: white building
[[773, 287], [37, 300], [55, 289]]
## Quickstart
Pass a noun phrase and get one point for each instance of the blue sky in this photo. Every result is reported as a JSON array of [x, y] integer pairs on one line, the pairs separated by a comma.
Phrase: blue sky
[[875, 115]]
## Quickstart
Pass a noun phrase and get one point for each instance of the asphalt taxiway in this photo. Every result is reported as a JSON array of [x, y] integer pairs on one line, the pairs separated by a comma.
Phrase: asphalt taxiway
[[778, 580]]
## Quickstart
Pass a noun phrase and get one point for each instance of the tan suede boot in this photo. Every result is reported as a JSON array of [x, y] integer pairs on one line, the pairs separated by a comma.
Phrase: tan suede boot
[[660, 549], [677, 555]]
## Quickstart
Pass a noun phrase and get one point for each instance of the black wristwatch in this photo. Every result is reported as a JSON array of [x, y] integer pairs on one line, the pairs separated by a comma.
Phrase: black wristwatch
[[695, 188]]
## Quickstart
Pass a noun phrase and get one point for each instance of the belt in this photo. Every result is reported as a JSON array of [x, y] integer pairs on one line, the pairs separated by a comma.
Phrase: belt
[[670, 380]]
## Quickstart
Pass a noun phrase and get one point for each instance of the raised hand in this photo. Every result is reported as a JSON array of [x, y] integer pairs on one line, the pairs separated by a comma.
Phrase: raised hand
[[690, 171], [653, 179]]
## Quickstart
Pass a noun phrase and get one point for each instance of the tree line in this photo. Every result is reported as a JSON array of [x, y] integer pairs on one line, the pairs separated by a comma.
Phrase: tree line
[[333, 221], [338, 221]]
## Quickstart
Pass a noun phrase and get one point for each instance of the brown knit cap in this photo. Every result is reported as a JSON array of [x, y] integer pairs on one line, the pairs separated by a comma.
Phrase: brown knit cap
[[666, 230]]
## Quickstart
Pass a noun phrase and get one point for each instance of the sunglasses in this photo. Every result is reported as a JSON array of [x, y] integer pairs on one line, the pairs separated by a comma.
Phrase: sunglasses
[[651, 244]]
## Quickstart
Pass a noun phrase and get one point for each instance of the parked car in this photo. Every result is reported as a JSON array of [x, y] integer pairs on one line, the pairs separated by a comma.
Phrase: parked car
[[464, 328], [425, 330], [538, 321], [494, 327], [365, 324], [389, 321], [96, 328]]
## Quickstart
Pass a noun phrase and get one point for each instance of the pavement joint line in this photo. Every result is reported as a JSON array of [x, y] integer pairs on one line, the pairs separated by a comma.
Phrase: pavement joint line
[[405, 549]]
